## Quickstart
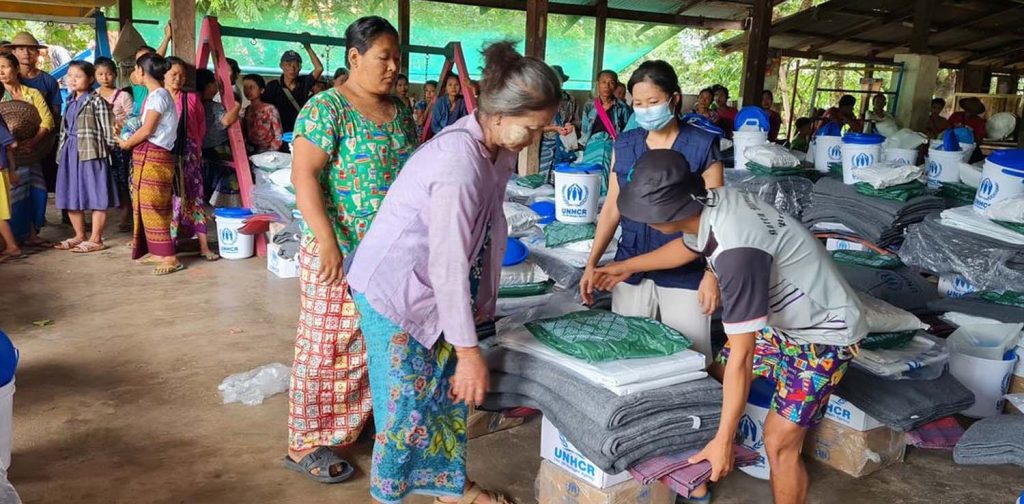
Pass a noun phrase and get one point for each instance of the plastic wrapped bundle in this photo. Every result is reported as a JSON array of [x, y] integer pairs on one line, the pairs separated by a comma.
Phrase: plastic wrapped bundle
[[791, 195], [987, 263], [269, 197]]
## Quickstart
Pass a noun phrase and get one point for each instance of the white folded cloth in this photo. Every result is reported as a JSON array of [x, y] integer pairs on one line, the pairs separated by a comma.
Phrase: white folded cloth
[[771, 156], [883, 175], [967, 219]]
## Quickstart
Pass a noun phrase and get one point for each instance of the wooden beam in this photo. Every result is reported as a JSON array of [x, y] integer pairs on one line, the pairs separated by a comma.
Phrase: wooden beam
[[977, 35], [922, 26], [41, 10], [183, 27], [862, 26], [536, 28], [619, 14], [997, 52], [601, 10], [403, 32], [756, 60], [124, 11], [690, 4]]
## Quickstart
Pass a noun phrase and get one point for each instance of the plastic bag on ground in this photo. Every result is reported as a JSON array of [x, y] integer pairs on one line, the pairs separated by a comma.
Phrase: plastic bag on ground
[[883, 175], [252, 387], [1008, 210]]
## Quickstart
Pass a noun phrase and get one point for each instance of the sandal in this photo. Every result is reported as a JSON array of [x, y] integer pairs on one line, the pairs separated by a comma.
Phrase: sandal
[[87, 247], [167, 270], [323, 459], [210, 256], [706, 499], [474, 492], [68, 244]]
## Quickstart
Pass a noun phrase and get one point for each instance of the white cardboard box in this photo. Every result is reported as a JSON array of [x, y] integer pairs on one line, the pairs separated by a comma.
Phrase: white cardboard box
[[842, 412], [557, 449], [279, 266]]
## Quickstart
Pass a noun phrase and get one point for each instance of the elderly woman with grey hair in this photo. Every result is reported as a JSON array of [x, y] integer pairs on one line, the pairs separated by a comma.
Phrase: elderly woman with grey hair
[[428, 270]]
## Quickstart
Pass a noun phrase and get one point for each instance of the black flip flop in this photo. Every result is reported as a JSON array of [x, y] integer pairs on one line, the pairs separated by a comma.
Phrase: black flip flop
[[322, 458]]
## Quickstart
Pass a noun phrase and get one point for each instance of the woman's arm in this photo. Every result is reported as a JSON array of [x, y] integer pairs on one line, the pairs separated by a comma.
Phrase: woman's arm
[[166, 42], [714, 175], [308, 161], [673, 254], [152, 118], [607, 223]]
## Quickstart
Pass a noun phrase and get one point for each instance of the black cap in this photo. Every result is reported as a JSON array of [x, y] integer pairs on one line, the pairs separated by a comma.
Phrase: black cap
[[291, 56], [661, 188]]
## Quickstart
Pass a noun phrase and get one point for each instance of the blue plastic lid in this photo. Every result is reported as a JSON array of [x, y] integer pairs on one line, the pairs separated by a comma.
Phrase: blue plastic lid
[[1010, 354], [8, 359], [699, 121], [761, 392], [752, 114], [582, 168], [964, 134], [546, 211], [515, 253], [830, 129], [863, 139], [950, 142], [233, 213], [1010, 158], [288, 137]]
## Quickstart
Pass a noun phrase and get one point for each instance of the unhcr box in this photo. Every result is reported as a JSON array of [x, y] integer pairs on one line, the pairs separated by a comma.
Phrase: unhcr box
[[842, 412], [557, 449], [857, 453], [557, 486]]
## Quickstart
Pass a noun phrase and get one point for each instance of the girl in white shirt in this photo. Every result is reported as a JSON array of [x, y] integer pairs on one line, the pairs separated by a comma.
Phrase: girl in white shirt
[[153, 169]]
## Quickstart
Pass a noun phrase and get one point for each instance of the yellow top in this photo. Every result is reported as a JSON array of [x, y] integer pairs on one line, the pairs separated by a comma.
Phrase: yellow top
[[35, 98]]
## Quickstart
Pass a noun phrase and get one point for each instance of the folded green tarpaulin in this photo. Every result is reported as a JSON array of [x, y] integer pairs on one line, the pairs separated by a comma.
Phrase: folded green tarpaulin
[[525, 290], [599, 336], [532, 181], [902, 192], [867, 258], [762, 170], [1008, 298], [889, 340], [558, 233], [1014, 226], [835, 169], [961, 193]]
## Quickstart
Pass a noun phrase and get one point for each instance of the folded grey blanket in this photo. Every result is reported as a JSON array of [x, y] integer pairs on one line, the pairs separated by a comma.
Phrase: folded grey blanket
[[899, 287], [585, 435], [877, 220], [904, 404], [601, 405], [988, 263], [978, 308], [993, 440]]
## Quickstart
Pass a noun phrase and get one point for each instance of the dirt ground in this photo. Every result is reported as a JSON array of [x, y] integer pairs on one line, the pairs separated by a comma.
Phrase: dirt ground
[[117, 400]]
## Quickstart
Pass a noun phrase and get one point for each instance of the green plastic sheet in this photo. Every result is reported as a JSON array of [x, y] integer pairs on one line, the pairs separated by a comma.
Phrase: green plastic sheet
[[599, 336]]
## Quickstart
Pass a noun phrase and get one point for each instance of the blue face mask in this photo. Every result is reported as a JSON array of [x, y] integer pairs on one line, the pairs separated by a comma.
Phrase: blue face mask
[[653, 118]]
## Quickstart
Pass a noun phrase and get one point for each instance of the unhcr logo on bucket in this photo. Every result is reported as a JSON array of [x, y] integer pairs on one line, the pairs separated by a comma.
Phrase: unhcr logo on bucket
[[863, 160], [988, 189], [835, 153], [934, 169], [575, 197], [228, 236]]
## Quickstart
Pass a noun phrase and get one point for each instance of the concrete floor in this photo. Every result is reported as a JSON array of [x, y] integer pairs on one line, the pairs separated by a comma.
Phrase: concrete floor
[[117, 400]]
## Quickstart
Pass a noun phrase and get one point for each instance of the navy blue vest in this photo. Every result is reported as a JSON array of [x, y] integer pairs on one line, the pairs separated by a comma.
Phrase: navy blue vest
[[698, 146]]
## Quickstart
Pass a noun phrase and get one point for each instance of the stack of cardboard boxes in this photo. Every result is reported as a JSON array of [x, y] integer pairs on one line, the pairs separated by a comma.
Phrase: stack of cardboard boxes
[[850, 440]]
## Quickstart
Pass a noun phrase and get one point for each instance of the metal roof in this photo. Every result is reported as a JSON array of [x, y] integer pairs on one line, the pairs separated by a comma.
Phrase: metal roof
[[977, 32]]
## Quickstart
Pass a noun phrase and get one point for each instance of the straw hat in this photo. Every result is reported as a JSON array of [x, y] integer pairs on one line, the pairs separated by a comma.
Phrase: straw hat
[[25, 39], [21, 117], [972, 105]]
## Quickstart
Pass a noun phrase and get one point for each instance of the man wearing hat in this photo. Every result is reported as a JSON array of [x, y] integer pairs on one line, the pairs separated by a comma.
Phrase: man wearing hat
[[26, 48], [290, 92], [789, 314], [970, 117], [567, 109]]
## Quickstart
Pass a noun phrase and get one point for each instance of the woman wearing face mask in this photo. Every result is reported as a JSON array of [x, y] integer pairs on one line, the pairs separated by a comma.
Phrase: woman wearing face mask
[[429, 269], [685, 297]]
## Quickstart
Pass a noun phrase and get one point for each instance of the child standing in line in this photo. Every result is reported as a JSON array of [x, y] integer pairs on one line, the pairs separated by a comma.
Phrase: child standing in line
[[84, 182], [120, 160], [8, 179]]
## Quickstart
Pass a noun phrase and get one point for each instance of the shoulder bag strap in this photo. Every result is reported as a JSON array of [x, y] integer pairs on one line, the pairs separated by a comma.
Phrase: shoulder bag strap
[[291, 98], [601, 113]]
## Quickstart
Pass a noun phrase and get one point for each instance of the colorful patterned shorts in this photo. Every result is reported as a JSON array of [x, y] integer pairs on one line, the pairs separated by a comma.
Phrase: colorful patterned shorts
[[804, 375]]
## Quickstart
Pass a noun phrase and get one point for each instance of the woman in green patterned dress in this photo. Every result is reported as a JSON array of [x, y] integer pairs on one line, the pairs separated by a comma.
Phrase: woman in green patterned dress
[[350, 143]]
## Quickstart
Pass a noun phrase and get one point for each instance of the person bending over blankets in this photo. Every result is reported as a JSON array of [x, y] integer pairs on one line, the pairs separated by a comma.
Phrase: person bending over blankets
[[789, 314]]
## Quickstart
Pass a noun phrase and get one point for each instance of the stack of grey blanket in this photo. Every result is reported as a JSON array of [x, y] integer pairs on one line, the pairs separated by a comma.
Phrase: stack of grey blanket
[[899, 287], [979, 308], [905, 405], [879, 221], [614, 432], [988, 263], [991, 441]]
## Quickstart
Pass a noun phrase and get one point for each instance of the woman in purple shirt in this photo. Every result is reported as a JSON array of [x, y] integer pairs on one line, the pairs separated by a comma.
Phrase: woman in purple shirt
[[428, 270]]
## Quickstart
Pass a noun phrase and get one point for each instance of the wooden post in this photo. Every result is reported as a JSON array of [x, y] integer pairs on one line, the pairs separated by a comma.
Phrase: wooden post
[[756, 61], [922, 26], [183, 28], [536, 45], [601, 10], [403, 32], [536, 28], [124, 12]]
